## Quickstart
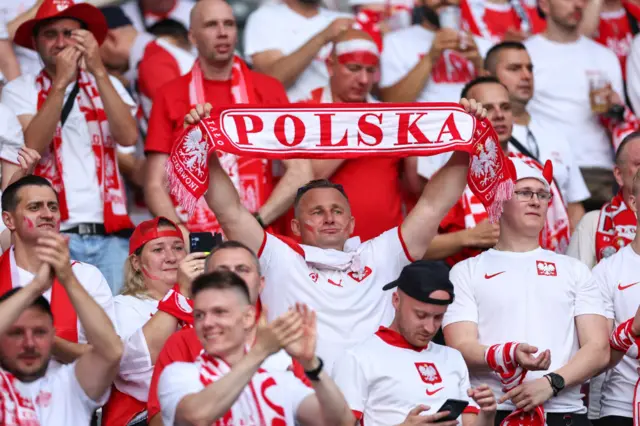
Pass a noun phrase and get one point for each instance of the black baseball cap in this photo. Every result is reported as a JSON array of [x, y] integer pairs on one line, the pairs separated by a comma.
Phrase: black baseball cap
[[115, 17], [419, 279]]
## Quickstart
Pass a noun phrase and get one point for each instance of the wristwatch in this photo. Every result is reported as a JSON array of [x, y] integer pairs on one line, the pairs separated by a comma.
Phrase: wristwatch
[[314, 375], [556, 381]]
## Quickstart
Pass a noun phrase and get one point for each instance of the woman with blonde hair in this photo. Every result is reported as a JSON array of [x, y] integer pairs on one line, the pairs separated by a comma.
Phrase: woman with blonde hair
[[154, 303]]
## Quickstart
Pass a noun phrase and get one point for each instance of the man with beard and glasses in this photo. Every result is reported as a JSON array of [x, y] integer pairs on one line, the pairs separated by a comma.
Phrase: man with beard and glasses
[[510, 63], [30, 210], [290, 40], [428, 63], [578, 82], [32, 393]]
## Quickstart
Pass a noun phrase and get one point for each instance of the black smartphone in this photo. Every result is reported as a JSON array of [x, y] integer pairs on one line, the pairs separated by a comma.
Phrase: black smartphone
[[200, 242], [455, 407]]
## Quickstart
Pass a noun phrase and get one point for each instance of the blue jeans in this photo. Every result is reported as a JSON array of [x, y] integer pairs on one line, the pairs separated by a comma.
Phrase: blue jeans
[[107, 253]]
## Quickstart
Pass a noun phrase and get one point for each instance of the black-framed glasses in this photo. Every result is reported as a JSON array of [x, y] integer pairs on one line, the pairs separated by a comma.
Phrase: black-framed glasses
[[527, 195]]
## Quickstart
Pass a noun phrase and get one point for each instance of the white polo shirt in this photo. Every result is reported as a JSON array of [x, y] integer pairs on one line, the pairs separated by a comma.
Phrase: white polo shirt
[[275, 26], [384, 377], [618, 278], [532, 297], [541, 139], [84, 195], [58, 398], [349, 308], [403, 49], [561, 95], [276, 394]]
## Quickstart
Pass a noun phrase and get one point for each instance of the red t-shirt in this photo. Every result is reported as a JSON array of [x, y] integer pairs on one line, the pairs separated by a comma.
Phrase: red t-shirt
[[454, 222], [615, 32], [491, 21], [181, 346], [157, 67]]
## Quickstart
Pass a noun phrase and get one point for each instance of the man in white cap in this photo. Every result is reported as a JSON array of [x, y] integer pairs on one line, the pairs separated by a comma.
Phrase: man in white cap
[[75, 115], [354, 66], [381, 393], [531, 315]]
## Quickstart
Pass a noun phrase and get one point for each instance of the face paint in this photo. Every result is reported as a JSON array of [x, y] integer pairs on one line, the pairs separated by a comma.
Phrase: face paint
[[29, 223], [308, 227], [149, 275]]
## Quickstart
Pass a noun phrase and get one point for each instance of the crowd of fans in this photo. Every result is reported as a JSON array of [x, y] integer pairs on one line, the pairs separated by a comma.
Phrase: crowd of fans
[[345, 291]]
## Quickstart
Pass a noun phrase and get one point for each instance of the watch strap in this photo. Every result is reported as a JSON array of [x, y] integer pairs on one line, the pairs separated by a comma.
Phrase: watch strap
[[314, 375]]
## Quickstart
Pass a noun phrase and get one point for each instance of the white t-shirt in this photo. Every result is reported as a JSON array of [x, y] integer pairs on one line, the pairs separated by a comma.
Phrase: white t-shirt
[[348, 309], [583, 240], [555, 147], [136, 366], [271, 390], [275, 26], [561, 96], [180, 13], [403, 49], [84, 196], [530, 297], [58, 397], [618, 277], [633, 74], [383, 378]]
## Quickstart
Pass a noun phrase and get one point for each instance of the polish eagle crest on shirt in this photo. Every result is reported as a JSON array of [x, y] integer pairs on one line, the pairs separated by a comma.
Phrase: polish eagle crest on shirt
[[428, 373], [546, 268]]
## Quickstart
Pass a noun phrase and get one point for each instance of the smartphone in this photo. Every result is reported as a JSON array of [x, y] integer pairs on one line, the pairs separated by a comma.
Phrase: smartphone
[[455, 407], [200, 242]]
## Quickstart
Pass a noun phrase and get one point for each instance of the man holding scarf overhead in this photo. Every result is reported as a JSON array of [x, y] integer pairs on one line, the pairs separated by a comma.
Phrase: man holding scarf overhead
[[339, 276], [220, 78], [75, 115]]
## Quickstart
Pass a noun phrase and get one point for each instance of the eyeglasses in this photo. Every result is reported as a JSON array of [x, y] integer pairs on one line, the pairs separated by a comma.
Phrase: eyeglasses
[[527, 195]]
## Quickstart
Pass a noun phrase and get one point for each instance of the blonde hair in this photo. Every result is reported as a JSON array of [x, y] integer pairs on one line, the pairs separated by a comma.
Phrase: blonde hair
[[133, 280]]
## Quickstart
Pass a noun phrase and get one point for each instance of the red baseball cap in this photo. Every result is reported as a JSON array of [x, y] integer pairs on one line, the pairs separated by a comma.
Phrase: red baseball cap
[[90, 15], [150, 230]]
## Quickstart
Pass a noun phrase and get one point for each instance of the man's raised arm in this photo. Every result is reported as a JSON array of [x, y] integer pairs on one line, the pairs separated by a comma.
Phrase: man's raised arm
[[223, 199], [11, 308], [438, 196]]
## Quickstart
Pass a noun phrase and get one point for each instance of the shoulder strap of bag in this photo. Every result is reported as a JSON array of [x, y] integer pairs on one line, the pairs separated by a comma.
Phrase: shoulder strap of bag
[[68, 104]]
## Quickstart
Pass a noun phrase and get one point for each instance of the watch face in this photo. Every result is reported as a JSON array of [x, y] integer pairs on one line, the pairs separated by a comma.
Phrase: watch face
[[558, 381]]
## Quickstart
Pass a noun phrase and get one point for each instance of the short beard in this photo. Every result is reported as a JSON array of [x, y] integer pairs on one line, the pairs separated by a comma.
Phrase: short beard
[[27, 378]]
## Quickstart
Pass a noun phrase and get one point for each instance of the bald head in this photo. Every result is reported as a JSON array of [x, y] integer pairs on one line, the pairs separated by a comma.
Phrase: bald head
[[213, 31], [205, 9]]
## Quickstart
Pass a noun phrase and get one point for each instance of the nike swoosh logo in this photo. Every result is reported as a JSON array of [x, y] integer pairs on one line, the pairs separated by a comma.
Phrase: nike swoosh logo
[[431, 393], [624, 287], [488, 277]]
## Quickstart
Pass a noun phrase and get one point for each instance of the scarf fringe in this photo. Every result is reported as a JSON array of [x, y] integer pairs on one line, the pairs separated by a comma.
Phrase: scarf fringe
[[504, 192], [182, 195]]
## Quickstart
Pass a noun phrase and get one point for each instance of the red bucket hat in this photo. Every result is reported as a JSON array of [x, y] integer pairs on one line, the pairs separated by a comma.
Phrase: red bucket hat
[[90, 15], [149, 230]]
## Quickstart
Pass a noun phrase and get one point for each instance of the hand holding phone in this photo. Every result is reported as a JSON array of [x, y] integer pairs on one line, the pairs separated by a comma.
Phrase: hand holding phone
[[455, 407]]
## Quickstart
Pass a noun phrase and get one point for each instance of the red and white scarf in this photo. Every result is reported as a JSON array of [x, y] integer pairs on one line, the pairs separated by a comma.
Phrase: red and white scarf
[[104, 151], [616, 227], [623, 340], [332, 131], [622, 128], [556, 233], [203, 219], [65, 319], [501, 358], [252, 407], [15, 409]]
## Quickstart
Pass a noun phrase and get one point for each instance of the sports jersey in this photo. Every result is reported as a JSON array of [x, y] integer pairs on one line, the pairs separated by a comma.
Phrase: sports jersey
[[531, 297], [381, 393], [492, 20], [271, 397], [403, 49], [58, 399], [615, 31], [350, 305], [618, 277]]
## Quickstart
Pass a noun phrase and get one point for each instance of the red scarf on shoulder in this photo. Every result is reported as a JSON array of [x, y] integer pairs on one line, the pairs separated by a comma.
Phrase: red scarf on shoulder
[[65, 319], [616, 227]]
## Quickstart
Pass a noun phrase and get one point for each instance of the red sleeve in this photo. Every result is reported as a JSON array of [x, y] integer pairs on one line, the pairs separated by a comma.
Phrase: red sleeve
[[179, 347], [298, 371], [156, 69], [166, 121]]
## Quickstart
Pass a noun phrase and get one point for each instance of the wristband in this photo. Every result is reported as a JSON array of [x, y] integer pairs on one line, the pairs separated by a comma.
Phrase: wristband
[[178, 306], [501, 358], [314, 375], [622, 339]]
